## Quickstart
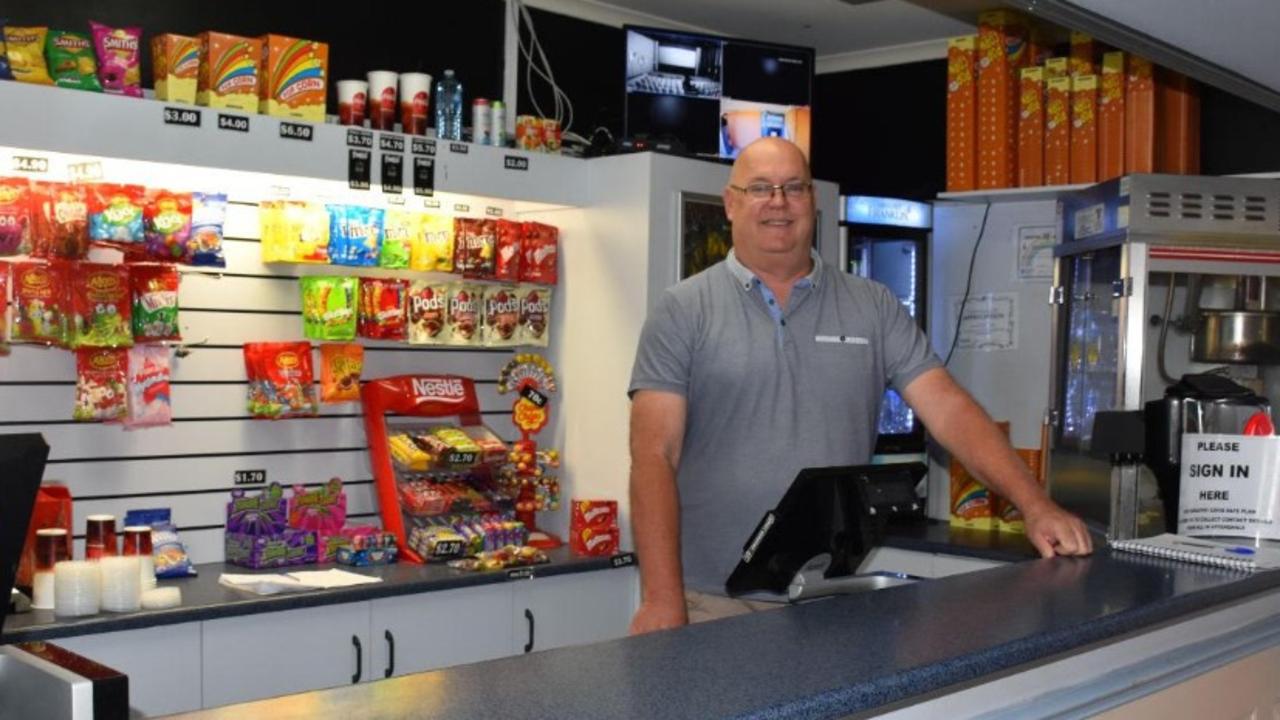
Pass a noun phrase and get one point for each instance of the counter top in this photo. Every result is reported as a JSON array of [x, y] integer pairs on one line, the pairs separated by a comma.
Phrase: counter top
[[204, 599], [829, 658]]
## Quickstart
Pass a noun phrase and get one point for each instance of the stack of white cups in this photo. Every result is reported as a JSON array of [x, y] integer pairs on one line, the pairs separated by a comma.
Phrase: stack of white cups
[[121, 583], [77, 588]]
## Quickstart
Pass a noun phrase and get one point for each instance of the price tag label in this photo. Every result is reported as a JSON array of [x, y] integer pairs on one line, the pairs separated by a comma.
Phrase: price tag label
[[533, 396], [392, 173], [456, 457], [30, 164], [296, 131], [358, 170], [623, 560], [515, 162], [461, 207], [238, 123], [459, 148], [422, 146], [493, 211], [359, 138], [447, 548], [395, 200], [431, 204], [249, 477], [391, 143], [85, 171], [181, 116], [524, 573], [424, 177]]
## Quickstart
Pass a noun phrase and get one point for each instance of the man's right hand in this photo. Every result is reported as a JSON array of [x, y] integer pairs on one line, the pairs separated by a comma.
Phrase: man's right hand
[[653, 616]]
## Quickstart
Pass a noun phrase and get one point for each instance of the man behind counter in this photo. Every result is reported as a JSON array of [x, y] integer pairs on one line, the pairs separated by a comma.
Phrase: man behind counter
[[770, 362]]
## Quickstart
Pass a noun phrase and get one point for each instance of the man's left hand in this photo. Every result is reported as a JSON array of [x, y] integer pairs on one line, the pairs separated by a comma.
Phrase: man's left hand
[[1055, 531]]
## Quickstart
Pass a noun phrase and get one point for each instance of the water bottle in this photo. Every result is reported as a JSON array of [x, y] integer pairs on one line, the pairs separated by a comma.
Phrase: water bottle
[[449, 107]]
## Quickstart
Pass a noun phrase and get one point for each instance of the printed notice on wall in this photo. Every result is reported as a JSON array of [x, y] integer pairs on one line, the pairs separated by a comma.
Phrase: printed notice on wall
[[1035, 253], [1230, 486], [990, 322]]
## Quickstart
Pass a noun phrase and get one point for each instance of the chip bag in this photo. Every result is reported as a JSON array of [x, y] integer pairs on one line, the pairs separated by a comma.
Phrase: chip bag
[[15, 216], [399, 230], [280, 379], [61, 214], [101, 305], [474, 247], [119, 66], [24, 47], [355, 235], [71, 61], [168, 225], [40, 300], [382, 309], [5, 74], [155, 303], [428, 312], [432, 249], [208, 215], [148, 403], [340, 368], [506, 265], [541, 244], [329, 307], [101, 375], [116, 215]]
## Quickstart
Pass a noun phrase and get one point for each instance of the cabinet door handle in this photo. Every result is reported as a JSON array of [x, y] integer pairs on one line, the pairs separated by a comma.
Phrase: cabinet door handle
[[359, 660], [391, 654], [528, 615]]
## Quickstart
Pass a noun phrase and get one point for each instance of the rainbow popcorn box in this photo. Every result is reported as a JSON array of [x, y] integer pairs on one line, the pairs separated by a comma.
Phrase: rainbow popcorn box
[[294, 78], [228, 72], [175, 62]]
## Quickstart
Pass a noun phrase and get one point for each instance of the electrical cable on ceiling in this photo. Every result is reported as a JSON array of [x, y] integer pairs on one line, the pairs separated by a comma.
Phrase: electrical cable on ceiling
[[968, 283], [542, 66]]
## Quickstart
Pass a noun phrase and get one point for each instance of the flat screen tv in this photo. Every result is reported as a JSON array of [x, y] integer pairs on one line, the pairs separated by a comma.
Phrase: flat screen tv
[[715, 95]]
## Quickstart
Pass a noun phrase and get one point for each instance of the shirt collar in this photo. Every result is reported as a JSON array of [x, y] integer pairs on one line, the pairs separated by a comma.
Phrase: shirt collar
[[747, 279]]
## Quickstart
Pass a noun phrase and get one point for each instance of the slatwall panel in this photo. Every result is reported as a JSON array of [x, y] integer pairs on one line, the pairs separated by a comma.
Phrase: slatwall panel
[[188, 466]]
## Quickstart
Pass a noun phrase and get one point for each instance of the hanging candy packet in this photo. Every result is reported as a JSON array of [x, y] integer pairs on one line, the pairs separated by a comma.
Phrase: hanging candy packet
[[148, 403], [382, 309], [155, 303], [280, 379], [501, 316], [466, 305], [340, 368], [399, 230], [168, 225], [61, 215], [24, 47], [541, 246], [355, 234], [116, 215], [15, 216], [506, 265], [71, 61], [5, 73], [118, 59], [535, 315], [4, 309], [428, 312], [101, 375], [294, 231], [101, 305], [329, 307], [39, 302], [432, 249], [474, 244], [208, 215]]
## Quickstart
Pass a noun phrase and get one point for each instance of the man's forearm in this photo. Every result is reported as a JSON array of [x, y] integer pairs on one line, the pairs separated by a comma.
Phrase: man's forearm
[[655, 522]]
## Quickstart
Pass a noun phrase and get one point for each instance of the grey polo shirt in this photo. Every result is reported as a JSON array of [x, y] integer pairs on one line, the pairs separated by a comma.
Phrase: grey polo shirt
[[769, 392]]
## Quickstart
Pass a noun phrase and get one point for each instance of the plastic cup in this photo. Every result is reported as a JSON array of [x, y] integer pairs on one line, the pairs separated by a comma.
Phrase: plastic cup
[[382, 100], [353, 97], [51, 548], [100, 537], [415, 98]]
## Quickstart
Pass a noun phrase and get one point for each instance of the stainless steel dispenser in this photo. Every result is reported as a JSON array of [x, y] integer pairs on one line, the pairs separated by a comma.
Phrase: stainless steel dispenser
[[1156, 277]]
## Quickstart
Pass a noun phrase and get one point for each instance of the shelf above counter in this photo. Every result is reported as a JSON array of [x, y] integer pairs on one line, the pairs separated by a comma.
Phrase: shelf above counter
[[1028, 194]]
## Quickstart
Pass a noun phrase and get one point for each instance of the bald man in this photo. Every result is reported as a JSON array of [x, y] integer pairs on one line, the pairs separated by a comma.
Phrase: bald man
[[770, 362]]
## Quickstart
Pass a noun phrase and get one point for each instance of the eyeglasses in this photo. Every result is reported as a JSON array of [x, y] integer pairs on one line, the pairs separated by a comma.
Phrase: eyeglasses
[[761, 191]]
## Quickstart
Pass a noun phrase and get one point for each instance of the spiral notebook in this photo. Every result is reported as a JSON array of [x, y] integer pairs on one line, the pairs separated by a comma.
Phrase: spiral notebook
[[1203, 552]]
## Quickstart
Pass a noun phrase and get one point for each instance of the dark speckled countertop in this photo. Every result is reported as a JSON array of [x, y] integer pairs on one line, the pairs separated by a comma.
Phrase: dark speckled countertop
[[829, 658]]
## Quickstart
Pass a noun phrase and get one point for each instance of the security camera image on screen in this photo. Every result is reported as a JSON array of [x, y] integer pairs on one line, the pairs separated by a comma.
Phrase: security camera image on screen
[[692, 121], [668, 64]]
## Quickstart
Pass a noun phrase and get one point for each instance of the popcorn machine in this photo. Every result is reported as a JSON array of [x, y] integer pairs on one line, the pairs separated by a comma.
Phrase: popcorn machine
[[1159, 277]]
